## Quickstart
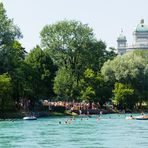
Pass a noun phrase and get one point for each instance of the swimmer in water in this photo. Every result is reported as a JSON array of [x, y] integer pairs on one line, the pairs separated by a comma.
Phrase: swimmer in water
[[98, 119]]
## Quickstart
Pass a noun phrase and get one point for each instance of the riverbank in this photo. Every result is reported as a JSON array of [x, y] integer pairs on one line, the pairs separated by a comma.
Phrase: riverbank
[[21, 114]]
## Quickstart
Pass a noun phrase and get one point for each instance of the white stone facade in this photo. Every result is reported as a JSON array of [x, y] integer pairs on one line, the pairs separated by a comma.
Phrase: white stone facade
[[140, 39]]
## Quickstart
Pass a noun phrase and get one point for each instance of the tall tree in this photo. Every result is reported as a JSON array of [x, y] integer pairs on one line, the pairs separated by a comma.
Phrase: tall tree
[[42, 75], [8, 34], [8, 31], [11, 52], [73, 45]]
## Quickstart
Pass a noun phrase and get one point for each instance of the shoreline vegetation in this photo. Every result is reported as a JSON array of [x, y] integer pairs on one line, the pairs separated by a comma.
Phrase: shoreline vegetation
[[70, 65]]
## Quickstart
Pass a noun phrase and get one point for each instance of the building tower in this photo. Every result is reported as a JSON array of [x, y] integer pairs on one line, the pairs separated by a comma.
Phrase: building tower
[[141, 36], [121, 44]]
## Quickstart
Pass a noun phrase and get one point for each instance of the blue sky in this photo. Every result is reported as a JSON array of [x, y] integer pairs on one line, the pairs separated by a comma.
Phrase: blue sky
[[106, 17]]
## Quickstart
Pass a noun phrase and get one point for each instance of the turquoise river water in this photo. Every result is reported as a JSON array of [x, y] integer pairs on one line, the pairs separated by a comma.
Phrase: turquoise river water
[[111, 131]]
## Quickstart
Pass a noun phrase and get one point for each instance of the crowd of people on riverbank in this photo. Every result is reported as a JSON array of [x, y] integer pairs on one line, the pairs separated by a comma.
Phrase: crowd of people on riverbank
[[72, 105]]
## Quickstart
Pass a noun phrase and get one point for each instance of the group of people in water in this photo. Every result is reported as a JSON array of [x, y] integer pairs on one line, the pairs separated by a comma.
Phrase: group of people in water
[[71, 120]]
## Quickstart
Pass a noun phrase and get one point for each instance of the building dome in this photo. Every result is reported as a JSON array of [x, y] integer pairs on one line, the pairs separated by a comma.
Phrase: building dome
[[121, 37], [140, 41], [141, 27]]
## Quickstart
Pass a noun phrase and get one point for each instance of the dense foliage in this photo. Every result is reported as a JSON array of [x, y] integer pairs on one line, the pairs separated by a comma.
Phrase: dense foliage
[[74, 48], [70, 64], [130, 71], [41, 74]]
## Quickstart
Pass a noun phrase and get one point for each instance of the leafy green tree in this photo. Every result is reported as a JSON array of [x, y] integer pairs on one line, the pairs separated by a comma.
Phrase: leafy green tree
[[65, 84], [73, 44], [5, 92], [124, 96], [11, 59], [124, 68], [87, 90], [65, 40], [42, 73], [131, 69], [8, 31], [11, 52], [93, 88]]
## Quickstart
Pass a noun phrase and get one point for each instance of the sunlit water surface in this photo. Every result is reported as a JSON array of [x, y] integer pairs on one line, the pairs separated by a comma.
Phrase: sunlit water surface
[[111, 131]]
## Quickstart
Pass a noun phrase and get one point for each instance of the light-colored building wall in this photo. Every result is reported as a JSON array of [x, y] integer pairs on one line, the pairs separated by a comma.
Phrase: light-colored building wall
[[140, 36]]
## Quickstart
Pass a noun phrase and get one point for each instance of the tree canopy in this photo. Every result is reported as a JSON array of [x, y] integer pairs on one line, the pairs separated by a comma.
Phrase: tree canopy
[[42, 73], [73, 45], [129, 69], [70, 64], [8, 31]]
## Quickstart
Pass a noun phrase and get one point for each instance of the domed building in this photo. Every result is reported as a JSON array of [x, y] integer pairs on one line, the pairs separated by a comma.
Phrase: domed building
[[140, 39]]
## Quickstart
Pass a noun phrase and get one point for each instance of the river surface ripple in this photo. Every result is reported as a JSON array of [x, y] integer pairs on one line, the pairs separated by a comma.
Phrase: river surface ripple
[[111, 131]]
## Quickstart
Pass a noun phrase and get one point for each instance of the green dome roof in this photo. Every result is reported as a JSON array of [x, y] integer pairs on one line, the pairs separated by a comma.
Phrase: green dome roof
[[121, 37], [142, 27]]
